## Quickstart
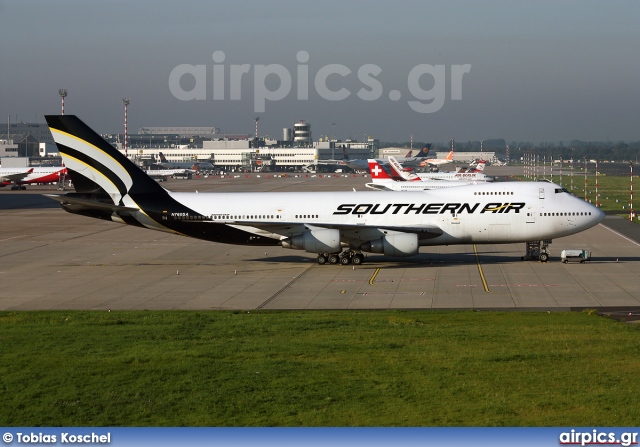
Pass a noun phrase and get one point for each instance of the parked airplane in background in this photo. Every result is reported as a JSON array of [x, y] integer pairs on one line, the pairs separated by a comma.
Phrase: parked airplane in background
[[407, 174], [194, 165], [476, 166], [18, 177], [403, 181], [408, 160], [109, 186], [169, 172], [437, 161]]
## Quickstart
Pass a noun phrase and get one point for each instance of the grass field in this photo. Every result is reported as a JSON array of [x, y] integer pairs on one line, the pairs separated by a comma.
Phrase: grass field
[[321, 368]]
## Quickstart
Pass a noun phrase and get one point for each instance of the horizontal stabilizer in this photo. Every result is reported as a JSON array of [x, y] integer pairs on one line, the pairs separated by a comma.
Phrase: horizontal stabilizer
[[77, 203]]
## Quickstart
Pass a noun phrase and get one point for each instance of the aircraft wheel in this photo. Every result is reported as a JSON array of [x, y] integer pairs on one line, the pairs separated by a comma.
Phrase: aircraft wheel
[[544, 257], [345, 260], [322, 259], [334, 259], [357, 259]]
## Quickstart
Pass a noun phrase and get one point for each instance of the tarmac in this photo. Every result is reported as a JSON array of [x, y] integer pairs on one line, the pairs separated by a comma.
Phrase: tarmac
[[50, 259]]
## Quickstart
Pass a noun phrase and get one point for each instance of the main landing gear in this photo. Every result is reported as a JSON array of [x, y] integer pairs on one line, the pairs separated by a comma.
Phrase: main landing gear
[[537, 250], [345, 258]]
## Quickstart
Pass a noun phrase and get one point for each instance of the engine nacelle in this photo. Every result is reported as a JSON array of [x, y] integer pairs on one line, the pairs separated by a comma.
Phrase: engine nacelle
[[315, 241], [403, 244]]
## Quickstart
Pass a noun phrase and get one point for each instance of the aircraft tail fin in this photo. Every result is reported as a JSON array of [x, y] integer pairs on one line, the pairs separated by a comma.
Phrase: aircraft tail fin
[[480, 166], [97, 168], [424, 152], [163, 159], [377, 172], [399, 173]]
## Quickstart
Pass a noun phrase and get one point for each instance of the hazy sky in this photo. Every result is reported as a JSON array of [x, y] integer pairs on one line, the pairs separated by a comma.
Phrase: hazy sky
[[520, 70]]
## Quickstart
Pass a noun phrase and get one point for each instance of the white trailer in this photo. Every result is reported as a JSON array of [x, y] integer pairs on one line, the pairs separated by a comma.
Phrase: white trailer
[[575, 255]]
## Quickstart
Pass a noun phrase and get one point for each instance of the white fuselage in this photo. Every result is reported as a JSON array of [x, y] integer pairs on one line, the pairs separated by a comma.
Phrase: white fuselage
[[486, 213], [455, 176], [419, 185]]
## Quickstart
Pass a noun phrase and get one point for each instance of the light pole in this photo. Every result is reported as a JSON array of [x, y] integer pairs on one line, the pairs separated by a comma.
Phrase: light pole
[[597, 203], [572, 156], [585, 179], [126, 102], [631, 192], [63, 93], [331, 143], [561, 167]]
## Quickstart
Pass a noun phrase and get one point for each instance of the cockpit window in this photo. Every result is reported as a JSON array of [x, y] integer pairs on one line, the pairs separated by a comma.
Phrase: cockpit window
[[561, 190]]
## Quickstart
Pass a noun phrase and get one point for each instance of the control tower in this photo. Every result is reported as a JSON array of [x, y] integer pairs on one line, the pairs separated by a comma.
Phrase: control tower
[[302, 134]]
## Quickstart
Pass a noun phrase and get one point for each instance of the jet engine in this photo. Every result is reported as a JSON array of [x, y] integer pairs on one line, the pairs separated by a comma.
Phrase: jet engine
[[400, 244], [315, 241]]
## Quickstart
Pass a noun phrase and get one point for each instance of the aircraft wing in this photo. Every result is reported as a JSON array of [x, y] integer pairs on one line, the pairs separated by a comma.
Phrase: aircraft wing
[[16, 177], [378, 186], [354, 231]]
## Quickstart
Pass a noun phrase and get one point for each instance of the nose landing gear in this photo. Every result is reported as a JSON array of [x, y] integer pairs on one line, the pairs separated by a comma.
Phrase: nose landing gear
[[537, 250]]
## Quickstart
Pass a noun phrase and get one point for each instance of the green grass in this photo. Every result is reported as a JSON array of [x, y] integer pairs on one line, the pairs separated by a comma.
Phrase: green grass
[[321, 368]]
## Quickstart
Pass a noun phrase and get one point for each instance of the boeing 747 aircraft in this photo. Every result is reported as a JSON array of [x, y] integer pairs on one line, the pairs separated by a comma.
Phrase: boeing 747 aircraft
[[337, 226]]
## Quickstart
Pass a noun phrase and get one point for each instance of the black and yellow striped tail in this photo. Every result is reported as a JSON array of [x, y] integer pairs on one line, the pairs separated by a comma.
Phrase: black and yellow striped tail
[[95, 166]]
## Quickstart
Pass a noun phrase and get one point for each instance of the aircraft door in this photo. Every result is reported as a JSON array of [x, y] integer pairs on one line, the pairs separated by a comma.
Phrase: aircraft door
[[531, 215]]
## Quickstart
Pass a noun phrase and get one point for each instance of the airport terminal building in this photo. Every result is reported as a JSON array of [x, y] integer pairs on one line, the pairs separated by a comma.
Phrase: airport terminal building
[[240, 155], [296, 151]]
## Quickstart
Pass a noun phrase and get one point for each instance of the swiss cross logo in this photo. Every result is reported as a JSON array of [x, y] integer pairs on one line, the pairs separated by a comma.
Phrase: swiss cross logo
[[376, 171]]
